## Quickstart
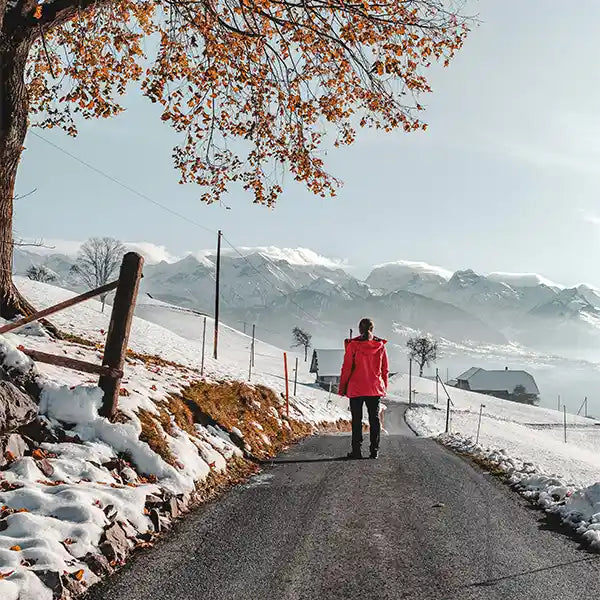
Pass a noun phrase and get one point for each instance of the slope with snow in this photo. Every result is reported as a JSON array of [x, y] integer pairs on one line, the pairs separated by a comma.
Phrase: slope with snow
[[532, 434], [525, 443], [52, 519], [281, 288]]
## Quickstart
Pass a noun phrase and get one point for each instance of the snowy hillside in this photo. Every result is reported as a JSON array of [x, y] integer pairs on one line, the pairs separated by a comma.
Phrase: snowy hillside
[[81, 493], [533, 434], [278, 289], [526, 445]]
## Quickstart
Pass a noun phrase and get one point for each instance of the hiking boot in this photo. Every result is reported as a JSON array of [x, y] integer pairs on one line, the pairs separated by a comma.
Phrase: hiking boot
[[374, 454], [354, 455]]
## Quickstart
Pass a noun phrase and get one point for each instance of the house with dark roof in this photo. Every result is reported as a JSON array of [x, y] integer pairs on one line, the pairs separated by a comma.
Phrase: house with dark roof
[[327, 366], [518, 386]]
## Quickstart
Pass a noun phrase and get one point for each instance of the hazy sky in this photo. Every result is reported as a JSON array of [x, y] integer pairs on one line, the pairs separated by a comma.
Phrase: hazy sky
[[506, 178]]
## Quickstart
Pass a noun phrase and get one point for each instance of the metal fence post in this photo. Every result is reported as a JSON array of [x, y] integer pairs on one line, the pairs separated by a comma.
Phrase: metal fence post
[[296, 377], [203, 348], [409, 381], [250, 365], [448, 415], [287, 386], [117, 338], [565, 421], [479, 423]]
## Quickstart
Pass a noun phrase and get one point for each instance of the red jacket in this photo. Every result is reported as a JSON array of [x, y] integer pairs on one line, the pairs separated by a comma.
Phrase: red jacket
[[365, 368]]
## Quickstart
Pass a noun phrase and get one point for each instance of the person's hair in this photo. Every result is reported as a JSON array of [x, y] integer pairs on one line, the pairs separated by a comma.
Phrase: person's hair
[[365, 327]]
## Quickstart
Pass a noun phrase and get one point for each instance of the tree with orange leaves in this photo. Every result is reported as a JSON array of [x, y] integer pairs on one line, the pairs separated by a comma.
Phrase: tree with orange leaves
[[252, 86]]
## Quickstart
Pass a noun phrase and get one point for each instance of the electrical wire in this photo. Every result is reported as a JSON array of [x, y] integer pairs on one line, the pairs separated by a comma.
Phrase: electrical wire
[[180, 216]]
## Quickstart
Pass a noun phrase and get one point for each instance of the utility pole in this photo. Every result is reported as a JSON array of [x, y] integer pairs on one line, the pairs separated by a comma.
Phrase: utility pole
[[217, 293]]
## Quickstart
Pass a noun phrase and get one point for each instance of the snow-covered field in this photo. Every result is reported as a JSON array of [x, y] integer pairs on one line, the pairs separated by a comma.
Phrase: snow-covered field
[[525, 442], [57, 504]]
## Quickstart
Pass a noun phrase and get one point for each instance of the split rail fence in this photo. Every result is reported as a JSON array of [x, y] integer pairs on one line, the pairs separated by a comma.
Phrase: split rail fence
[[115, 349]]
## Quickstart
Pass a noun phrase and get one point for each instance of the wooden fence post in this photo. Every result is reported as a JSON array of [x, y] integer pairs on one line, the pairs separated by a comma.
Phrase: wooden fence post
[[118, 330]]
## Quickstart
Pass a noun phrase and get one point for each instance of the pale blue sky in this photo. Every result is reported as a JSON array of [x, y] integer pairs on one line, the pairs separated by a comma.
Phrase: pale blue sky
[[505, 179]]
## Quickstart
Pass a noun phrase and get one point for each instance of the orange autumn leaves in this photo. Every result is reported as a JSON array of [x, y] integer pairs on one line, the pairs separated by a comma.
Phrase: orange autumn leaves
[[252, 86]]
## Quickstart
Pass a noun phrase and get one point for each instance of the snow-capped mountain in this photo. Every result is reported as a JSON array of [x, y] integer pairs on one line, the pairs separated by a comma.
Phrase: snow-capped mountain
[[281, 288], [329, 318], [567, 304], [407, 275], [590, 293], [255, 279]]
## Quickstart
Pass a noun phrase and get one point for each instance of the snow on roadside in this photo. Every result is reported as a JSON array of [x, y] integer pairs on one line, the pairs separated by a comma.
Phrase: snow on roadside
[[95, 482], [525, 445]]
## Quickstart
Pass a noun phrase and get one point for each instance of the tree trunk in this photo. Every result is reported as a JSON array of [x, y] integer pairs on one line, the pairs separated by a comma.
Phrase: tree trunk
[[13, 128], [421, 370], [305, 353]]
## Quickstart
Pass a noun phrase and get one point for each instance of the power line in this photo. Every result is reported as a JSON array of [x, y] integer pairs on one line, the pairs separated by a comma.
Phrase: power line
[[123, 185], [175, 213], [261, 274]]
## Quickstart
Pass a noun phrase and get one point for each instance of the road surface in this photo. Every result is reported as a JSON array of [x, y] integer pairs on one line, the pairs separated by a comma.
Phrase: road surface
[[419, 523]]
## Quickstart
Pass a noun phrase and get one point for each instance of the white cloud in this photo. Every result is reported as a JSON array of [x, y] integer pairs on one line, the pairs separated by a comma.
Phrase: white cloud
[[523, 279], [294, 256], [417, 267], [152, 253], [590, 217], [68, 247]]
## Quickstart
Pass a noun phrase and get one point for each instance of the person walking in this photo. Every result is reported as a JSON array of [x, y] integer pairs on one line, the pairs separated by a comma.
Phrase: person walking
[[364, 380]]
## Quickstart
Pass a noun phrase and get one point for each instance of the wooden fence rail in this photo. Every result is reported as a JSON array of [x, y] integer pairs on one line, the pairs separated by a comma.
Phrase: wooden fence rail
[[71, 363], [51, 310], [115, 350]]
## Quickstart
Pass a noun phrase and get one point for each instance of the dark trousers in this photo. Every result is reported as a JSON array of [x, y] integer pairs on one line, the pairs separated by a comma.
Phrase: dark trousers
[[356, 408]]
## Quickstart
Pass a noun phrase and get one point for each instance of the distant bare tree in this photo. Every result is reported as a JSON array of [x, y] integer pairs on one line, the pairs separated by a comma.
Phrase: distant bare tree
[[423, 351], [521, 395], [41, 273], [98, 261], [301, 338]]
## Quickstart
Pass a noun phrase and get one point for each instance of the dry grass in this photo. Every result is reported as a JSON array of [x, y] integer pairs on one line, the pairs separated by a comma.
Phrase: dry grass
[[236, 404], [257, 411], [77, 339], [217, 482], [153, 432], [149, 359], [183, 416]]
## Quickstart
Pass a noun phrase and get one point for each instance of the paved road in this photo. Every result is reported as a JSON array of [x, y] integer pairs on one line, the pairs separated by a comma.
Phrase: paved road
[[312, 527]]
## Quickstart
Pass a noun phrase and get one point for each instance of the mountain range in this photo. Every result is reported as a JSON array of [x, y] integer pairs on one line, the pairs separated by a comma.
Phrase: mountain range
[[278, 291]]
